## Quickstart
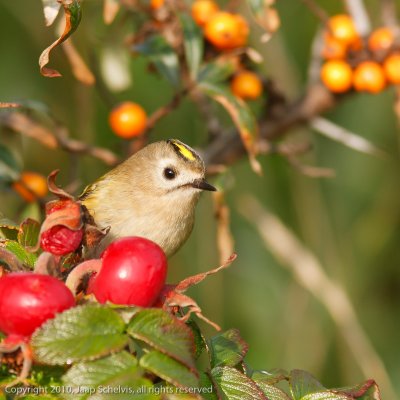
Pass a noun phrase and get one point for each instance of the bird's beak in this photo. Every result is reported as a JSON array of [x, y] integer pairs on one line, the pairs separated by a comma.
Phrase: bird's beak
[[203, 185]]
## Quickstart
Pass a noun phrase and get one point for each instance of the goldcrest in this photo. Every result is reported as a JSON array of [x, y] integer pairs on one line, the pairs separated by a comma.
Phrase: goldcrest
[[152, 194]]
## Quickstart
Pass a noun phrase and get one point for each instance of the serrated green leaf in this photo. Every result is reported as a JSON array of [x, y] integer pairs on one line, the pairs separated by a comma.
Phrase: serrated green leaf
[[227, 348], [165, 333], [241, 116], [169, 369], [78, 334], [117, 376], [233, 385], [193, 44], [302, 383], [20, 252], [10, 168], [216, 72], [28, 234], [272, 392], [9, 229], [163, 56], [326, 395]]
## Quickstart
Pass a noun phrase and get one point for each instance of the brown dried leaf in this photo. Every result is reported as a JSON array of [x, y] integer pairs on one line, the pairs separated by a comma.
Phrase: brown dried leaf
[[53, 188], [20, 122], [73, 16], [182, 286], [79, 68]]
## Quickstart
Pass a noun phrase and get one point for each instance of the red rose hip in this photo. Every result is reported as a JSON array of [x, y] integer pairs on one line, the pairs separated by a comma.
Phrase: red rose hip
[[27, 300], [133, 272]]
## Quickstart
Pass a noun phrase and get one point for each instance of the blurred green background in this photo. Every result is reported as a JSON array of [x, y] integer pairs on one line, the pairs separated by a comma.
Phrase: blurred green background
[[350, 222]]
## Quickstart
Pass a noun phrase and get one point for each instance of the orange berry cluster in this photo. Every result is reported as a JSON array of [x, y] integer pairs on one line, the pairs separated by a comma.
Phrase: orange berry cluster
[[341, 40], [224, 30]]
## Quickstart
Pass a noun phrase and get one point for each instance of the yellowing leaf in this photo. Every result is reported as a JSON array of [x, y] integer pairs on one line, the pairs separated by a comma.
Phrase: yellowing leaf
[[242, 117]]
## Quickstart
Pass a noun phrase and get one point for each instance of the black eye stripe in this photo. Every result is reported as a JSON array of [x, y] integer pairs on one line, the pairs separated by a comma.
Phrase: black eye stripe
[[169, 173]]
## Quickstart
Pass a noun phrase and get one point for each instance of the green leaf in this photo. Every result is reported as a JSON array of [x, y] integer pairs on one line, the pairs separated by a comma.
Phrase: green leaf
[[117, 376], [193, 44], [78, 334], [302, 383], [359, 390], [270, 377], [326, 395], [9, 229], [20, 252], [163, 56], [217, 71], [272, 392], [199, 340], [10, 168], [233, 385], [169, 369], [207, 388], [28, 234], [241, 115], [165, 333], [227, 348]]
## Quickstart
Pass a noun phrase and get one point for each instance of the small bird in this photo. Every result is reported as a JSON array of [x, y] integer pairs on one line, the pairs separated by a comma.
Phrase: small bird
[[152, 194]]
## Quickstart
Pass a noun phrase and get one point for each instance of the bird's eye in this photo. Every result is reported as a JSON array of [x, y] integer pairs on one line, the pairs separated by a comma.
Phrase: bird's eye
[[169, 174]]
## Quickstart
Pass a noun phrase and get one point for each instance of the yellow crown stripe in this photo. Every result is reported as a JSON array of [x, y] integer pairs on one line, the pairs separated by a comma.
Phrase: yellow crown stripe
[[184, 151]]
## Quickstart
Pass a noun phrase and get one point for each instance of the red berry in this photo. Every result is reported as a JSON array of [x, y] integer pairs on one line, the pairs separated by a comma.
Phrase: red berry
[[133, 272], [60, 239], [27, 300]]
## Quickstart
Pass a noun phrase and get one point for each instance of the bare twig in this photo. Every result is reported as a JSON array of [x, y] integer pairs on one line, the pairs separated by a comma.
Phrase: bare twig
[[310, 274], [166, 109], [57, 138], [344, 136], [358, 12], [318, 11], [311, 171], [228, 148], [225, 240]]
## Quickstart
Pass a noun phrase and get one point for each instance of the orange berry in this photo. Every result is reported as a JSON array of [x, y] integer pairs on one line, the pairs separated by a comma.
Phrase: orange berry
[[31, 186], [369, 77], [337, 76], [203, 10], [127, 120], [342, 28], [391, 66], [156, 4], [333, 49], [381, 39], [246, 85], [226, 30]]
